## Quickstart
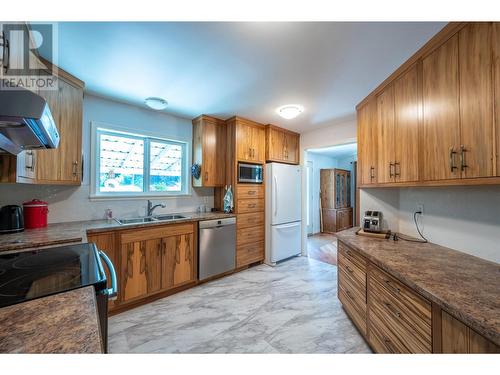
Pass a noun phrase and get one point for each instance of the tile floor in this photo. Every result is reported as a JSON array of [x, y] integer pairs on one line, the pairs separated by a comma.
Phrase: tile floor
[[291, 308]]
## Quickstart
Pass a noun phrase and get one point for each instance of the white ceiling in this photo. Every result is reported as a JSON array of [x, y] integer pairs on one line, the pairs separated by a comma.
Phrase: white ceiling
[[248, 69], [336, 152]]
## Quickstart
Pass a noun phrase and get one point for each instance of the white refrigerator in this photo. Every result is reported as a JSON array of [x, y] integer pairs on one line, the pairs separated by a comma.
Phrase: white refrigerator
[[283, 212]]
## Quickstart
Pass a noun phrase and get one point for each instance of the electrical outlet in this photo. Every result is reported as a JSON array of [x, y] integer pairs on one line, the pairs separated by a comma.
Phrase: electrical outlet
[[420, 208]]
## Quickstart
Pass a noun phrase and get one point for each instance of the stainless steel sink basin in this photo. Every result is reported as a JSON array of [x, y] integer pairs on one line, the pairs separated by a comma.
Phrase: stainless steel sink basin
[[150, 219], [136, 220], [169, 217]]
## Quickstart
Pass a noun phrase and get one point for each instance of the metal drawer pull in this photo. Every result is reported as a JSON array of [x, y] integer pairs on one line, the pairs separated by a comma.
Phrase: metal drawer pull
[[372, 174], [391, 164], [462, 158], [253, 205], [389, 344], [113, 291], [396, 173], [252, 192], [349, 294], [395, 289], [392, 310], [452, 159], [349, 269]]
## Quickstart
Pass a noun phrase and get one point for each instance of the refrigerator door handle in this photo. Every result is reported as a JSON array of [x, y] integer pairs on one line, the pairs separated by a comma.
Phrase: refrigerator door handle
[[288, 226], [275, 196]]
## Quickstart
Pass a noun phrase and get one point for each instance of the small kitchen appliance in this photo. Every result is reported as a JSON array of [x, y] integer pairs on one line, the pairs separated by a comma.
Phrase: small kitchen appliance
[[372, 221], [250, 173], [11, 219], [35, 214]]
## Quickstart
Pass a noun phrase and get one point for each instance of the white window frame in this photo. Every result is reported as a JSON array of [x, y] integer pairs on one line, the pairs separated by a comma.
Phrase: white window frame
[[147, 136]]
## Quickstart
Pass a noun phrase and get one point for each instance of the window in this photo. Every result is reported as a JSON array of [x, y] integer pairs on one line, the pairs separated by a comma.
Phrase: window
[[127, 164]]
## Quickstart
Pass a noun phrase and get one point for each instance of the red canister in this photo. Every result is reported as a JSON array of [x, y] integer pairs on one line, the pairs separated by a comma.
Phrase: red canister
[[35, 214]]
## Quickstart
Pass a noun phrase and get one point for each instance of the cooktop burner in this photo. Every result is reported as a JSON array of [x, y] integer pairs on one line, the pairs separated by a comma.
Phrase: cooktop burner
[[32, 274]]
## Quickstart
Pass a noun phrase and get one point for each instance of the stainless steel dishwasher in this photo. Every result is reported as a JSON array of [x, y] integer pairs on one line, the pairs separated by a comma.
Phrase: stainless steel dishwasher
[[217, 247]]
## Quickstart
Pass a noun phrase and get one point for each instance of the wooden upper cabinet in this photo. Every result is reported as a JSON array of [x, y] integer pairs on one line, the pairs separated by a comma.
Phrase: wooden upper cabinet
[[367, 143], [209, 150], [385, 121], [282, 145], [440, 108], [496, 89], [407, 120], [250, 141], [476, 100]]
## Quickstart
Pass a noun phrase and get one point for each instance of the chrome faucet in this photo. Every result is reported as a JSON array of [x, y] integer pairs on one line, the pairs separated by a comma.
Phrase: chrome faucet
[[151, 208]]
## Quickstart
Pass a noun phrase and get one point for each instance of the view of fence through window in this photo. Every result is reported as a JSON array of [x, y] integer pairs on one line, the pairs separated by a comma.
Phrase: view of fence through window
[[123, 166]]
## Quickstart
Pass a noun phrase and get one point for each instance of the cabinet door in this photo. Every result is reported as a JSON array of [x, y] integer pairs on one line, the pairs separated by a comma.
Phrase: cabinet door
[[70, 152], [258, 144], [496, 88], [406, 113], [327, 189], [385, 109], [292, 148], [133, 270], [48, 161], [441, 128], [275, 145], [367, 142], [214, 155], [476, 100], [153, 265], [243, 142], [177, 261]]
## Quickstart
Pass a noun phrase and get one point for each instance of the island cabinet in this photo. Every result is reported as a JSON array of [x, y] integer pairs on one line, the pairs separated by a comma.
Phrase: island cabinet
[[394, 318], [437, 122], [209, 151], [282, 145], [149, 262]]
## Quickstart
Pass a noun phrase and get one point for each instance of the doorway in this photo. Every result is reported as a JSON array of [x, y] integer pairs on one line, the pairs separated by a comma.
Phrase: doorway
[[330, 201]]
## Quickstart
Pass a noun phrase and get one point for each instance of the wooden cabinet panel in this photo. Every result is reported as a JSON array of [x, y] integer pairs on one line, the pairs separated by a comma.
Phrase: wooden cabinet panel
[[107, 243], [249, 235], [282, 145], [259, 144], [249, 191], [209, 150], [496, 89], [160, 231], [352, 256], [133, 270], [251, 219], [327, 188], [385, 110], [441, 128], [250, 205], [480, 345], [292, 149], [367, 143], [476, 100], [406, 116], [70, 151], [250, 141], [178, 261], [244, 142], [153, 265], [249, 253]]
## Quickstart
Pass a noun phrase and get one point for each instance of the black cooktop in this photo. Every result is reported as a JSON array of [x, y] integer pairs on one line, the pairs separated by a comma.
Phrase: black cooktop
[[37, 273]]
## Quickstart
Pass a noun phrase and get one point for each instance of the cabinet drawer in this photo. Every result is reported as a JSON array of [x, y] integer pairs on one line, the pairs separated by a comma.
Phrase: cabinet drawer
[[246, 191], [249, 253], [250, 220], [350, 306], [352, 256], [250, 205], [250, 235], [352, 270], [393, 311], [354, 291], [138, 234], [383, 340]]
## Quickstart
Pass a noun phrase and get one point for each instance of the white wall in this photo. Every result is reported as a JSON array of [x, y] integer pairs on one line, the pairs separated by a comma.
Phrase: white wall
[[318, 162], [73, 204]]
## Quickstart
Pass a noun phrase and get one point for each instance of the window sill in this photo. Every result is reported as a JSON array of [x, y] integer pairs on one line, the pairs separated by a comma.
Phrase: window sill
[[137, 197]]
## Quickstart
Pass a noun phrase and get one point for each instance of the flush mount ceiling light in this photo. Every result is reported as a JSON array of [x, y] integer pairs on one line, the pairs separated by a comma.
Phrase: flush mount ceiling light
[[290, 111], [156, 103]]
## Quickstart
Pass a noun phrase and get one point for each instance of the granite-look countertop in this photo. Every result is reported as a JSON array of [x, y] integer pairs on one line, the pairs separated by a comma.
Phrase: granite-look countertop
[[464, 285], [76, 231], [61, 323]]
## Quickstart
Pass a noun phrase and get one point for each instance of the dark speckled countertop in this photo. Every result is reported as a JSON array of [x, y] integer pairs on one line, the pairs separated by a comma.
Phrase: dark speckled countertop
[[76, 231], [61, 323], [464, 285]]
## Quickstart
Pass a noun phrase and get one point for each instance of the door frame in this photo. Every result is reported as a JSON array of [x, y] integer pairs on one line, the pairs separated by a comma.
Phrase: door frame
[[309, 196]]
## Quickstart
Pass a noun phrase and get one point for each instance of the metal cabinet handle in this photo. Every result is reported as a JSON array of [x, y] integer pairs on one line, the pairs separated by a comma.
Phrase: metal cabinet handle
[[113, 291], [75, 168], [6, 52], [393, 311], [452, 159], [390, 169], [463, 150], [388, 342], [349, 294], [251, 192], [349, 269], [251, 205], [393, 288], [372, 172], [396, 173], [206, 176]]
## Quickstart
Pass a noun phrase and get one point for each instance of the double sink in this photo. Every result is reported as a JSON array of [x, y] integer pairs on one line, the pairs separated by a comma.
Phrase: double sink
[[150, 219]]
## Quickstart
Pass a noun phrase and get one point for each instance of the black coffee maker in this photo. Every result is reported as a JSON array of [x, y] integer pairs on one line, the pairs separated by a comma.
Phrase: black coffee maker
[[11, 219]]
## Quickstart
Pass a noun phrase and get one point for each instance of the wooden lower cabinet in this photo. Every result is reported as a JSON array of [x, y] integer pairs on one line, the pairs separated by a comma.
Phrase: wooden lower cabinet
[[394, 318], [133, 269], [178, 261], [335, 220]]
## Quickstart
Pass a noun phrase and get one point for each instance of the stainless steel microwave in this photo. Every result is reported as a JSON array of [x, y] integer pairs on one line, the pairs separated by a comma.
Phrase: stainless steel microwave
[[251, 173]]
